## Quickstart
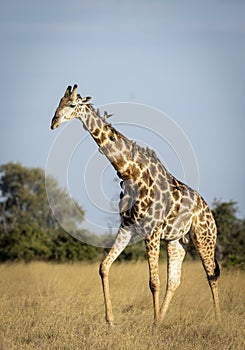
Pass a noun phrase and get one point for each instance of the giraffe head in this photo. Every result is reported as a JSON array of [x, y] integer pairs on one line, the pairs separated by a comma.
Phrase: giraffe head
[[69, 107]]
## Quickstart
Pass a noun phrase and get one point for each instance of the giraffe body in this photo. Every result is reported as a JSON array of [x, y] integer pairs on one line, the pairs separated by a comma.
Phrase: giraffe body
[[153, 204]]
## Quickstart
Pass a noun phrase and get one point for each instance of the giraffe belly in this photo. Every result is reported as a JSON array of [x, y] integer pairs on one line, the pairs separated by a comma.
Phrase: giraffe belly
[[178, 227], [178, 218], [175, 232]]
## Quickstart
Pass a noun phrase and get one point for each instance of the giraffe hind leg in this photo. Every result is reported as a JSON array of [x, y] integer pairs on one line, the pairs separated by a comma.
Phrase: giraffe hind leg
[[216, 274], [204, 242]]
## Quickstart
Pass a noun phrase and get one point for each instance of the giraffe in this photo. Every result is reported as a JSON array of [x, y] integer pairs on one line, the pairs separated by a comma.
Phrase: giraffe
[[153, 204]]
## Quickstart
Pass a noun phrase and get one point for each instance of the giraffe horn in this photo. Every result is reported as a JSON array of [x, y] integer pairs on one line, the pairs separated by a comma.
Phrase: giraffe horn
[[68, 91], [74, 91]]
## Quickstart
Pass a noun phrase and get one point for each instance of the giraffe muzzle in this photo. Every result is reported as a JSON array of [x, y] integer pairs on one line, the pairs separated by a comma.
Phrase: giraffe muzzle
[[55, 123]]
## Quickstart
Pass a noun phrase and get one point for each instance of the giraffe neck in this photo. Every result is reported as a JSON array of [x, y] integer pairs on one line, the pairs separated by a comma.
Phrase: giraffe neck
[[114, 145]]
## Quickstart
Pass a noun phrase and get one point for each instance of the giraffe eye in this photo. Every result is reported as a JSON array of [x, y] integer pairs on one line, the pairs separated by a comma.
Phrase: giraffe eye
[[72, 106]]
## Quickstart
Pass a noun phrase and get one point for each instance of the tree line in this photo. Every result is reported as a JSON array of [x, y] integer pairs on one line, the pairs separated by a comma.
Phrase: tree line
[[29, 230]]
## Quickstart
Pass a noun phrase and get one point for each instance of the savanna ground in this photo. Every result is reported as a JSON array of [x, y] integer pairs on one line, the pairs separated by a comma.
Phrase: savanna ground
[[49, 306]]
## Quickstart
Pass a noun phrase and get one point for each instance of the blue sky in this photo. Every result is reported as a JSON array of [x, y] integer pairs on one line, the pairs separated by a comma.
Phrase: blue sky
[[185, 58]]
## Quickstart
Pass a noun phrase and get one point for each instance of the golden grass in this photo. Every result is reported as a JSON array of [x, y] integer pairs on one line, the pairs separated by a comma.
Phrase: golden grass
[[50, 306]]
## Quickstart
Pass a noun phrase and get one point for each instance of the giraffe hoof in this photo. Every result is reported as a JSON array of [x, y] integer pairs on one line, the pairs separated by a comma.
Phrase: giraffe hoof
[[155, 327], [110, 324], [110, 327]]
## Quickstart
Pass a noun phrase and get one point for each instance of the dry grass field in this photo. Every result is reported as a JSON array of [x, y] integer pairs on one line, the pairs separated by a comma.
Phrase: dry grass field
[[49, 306]]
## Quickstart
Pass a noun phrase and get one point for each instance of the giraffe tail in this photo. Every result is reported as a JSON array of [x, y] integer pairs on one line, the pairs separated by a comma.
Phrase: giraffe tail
[[216, 274]]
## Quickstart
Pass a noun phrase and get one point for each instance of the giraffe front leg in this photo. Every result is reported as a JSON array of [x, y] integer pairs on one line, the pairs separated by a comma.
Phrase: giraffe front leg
[[176, 254], [152, 249], [121, 242]]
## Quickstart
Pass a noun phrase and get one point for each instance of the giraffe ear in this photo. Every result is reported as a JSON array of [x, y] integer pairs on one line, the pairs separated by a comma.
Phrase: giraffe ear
[[86, 100], [68, 91]]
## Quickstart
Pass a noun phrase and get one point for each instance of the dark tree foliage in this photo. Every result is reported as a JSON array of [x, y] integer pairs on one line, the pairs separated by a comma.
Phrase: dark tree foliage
[[23, 199], [231, 233], [28, 229]]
